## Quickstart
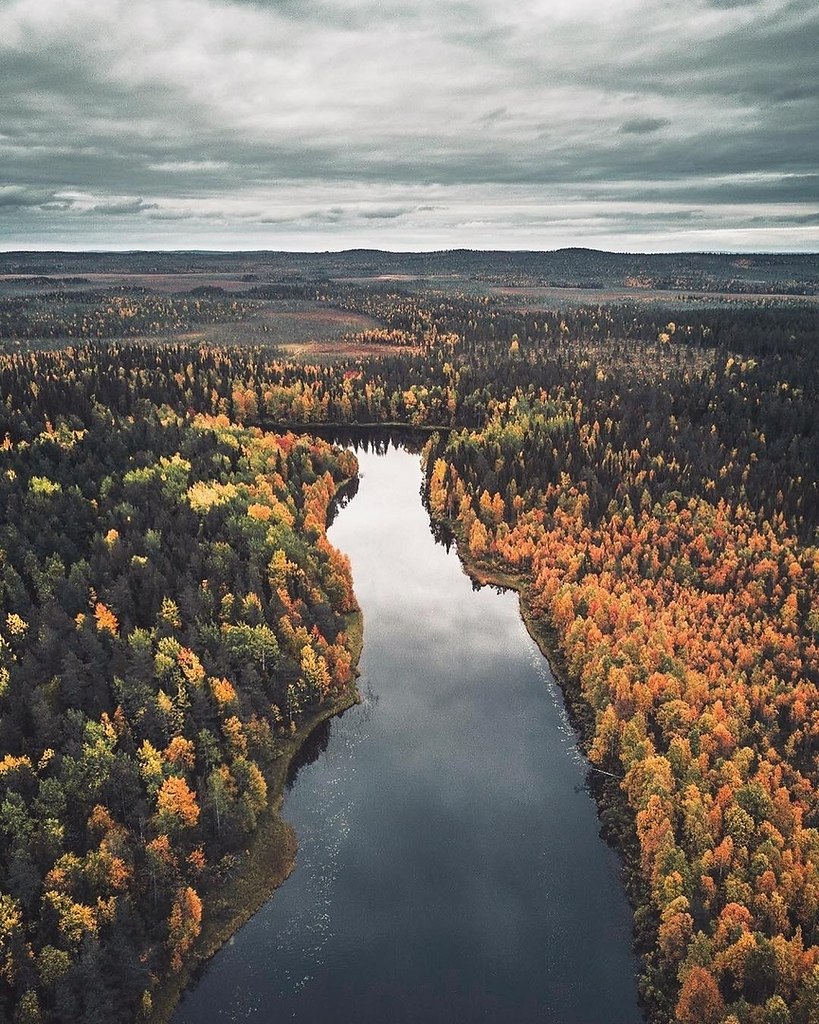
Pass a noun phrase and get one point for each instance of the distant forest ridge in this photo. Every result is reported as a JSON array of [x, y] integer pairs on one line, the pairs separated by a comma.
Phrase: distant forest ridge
[[795, 273]]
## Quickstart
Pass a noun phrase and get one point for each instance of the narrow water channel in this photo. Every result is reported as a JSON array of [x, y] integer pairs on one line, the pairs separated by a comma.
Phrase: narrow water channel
[[449, 868]]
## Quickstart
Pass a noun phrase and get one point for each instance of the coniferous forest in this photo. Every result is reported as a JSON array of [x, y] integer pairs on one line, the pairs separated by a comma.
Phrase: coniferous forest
[[631, 443]]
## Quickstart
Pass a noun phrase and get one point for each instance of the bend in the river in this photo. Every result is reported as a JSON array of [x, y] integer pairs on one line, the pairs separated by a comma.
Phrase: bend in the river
[[449, 866]]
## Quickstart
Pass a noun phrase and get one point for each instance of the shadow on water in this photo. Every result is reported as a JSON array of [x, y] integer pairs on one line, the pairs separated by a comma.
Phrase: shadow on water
[[343, 496], [441, 532], [311, 750]]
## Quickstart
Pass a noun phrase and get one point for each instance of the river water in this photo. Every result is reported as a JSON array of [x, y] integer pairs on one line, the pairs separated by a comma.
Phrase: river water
[[450, 869]]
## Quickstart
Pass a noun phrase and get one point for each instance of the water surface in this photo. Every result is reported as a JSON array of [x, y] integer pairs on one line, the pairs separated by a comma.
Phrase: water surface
[[449, 867]]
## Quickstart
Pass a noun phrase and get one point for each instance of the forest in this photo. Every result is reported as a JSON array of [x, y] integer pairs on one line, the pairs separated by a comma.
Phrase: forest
[[170, 607], [643, 468]]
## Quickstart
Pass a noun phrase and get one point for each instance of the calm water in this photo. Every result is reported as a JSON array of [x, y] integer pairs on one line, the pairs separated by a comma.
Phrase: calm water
[[449, 867]]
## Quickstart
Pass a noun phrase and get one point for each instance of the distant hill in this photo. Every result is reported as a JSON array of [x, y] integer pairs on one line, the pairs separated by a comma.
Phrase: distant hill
[[789, 273]]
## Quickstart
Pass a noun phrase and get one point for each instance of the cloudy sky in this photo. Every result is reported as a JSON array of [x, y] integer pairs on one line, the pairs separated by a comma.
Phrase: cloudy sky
[[409, 124]]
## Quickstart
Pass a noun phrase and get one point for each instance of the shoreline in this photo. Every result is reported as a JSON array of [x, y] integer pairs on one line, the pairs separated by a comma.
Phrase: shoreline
[[271, 854], [617, 826], [269, 858]]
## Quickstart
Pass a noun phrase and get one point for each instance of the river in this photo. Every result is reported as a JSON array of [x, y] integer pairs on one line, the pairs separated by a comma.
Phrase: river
[[450, 869]]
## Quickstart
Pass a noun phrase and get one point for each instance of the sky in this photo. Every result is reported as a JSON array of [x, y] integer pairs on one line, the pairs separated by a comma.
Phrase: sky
[[630, 125]]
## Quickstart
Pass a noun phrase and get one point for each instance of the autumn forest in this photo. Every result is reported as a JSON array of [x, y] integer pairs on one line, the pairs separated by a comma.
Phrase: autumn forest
[[632, 444]]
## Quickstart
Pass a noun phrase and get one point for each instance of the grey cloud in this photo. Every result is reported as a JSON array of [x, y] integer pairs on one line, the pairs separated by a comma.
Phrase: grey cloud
[[19, 196], [339, 214], [643, 125], [189, 167], [122, 208], [796, 219], [730, 4], [324, 216], [369, 114], [394, 214], [803, 188], [169, 216], [493, 117]]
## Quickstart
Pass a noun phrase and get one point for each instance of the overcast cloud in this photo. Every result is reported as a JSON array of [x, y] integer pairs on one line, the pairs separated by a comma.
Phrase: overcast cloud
[[409, 124]]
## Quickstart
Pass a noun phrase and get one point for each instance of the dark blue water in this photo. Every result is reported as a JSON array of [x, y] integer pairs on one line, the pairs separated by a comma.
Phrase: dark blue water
[[449, 869]]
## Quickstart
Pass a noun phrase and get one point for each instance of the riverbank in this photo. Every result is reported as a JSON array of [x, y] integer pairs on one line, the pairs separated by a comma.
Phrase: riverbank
[[450, 864], [270, 857], [579, 712], [617, 825]]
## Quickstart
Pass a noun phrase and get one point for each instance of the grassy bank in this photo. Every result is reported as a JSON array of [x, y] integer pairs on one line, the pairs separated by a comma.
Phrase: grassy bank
[[269, 858]]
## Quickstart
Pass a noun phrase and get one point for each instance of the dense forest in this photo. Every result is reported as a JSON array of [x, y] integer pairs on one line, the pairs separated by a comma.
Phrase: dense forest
[[170, 606], [645, 473]]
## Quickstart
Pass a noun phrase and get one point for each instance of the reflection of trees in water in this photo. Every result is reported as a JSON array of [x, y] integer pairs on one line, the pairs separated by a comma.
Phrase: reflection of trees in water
[[310, 751], [378, 440], [344, 495], [319, 739], [439, 530]]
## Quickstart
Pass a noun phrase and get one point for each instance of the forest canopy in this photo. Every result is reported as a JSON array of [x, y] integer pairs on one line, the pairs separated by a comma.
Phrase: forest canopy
[[170, 605], [645, 472]]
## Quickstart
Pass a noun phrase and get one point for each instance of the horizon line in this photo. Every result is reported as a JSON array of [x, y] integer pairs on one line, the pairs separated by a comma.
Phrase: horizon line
[[103, 251]]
